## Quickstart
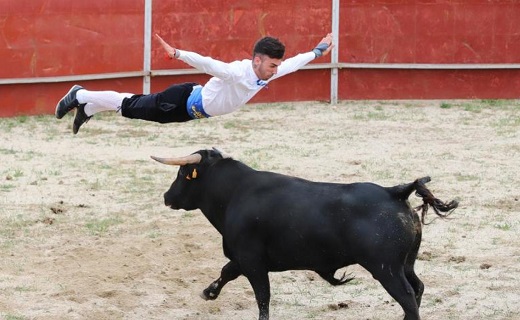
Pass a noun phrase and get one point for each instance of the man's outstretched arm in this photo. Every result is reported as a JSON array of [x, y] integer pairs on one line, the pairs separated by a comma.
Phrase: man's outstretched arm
[[295, 63], [207, 65]]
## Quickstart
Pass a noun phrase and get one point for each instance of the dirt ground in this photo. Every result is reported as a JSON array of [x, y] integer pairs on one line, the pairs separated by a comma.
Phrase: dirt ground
[[84, 233]]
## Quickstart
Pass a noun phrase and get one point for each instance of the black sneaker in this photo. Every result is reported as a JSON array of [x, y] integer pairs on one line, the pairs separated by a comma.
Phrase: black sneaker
[[68, 102], [80, 118]]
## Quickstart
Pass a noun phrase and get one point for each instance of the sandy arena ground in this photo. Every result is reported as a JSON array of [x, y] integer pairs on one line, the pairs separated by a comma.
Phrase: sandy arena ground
[[84, 233]]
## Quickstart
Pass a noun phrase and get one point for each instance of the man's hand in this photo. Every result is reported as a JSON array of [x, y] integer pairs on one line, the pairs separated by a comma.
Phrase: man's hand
[[324, 47], [170, 51]]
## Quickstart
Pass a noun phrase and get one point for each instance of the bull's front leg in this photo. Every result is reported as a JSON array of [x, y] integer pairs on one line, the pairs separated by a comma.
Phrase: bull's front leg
[[229, 273], [260, 282]]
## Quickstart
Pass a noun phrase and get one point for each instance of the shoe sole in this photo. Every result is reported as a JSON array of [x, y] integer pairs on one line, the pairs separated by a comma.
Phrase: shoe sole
[[74, 129], [58, 105]]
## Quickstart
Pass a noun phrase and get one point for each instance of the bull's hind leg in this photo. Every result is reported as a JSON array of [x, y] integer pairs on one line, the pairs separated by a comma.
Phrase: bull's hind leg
[[229, 273], [415, 282], [409, 271], [396, 284]]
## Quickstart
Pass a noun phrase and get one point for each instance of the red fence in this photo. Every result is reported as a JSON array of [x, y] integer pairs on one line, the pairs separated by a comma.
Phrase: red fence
[[393, 49]]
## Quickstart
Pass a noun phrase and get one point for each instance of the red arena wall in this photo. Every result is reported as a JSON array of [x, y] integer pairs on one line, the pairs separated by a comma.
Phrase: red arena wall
[[394, 49], [431, 32]]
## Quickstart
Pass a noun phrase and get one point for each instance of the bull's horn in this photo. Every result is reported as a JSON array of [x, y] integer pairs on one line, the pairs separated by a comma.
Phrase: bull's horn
[[191, 159]]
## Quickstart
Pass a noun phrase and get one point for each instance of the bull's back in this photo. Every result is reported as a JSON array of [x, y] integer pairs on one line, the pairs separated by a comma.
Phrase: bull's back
[[313, 222]]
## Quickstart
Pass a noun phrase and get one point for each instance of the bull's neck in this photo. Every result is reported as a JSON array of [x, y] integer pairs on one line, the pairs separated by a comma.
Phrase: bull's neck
[[221, 184]]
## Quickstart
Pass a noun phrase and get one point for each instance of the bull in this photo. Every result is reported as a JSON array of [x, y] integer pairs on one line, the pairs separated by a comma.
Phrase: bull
[[271, 222]]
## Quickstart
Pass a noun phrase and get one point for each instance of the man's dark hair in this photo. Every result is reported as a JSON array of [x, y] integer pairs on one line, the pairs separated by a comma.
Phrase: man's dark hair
[[269, 46]]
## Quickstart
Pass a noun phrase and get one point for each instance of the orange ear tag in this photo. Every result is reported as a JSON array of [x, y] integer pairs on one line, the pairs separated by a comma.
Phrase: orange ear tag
[[194, 174]]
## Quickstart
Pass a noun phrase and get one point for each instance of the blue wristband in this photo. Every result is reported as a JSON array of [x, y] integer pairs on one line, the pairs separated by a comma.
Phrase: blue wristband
[[318, 51]]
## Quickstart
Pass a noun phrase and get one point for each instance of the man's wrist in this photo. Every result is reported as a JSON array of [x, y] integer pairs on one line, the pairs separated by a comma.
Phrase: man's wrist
[[320, 48]]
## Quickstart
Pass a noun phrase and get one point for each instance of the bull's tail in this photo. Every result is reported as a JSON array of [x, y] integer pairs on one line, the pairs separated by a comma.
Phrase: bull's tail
[[440, 208]]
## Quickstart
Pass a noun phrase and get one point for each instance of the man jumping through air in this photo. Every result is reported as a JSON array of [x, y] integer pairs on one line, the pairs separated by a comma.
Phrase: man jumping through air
[[232, 86]]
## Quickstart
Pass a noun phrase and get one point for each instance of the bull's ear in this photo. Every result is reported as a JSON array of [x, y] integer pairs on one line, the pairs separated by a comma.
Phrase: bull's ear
[[222, 153]]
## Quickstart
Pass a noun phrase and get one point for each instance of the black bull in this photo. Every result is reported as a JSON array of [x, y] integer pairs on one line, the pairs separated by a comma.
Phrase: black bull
[[273, 222]]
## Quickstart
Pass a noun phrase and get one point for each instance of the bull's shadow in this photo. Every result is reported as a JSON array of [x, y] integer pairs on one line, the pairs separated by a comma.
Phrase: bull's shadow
[[273, 222]]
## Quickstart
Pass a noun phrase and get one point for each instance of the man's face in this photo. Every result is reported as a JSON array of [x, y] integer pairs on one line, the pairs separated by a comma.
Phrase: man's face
[[265, 67]]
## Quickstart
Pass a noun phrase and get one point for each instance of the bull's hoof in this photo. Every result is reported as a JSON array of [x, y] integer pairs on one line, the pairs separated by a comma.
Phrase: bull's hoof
[[208, 295]]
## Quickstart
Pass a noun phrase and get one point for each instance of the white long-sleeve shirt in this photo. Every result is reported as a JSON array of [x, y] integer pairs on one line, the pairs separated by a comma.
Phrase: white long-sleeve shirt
[[234, 84]]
